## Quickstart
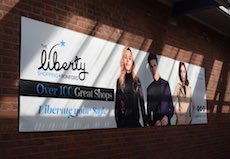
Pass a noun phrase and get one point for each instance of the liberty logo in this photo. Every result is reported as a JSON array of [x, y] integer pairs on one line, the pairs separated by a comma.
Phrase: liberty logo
[[49, 61]]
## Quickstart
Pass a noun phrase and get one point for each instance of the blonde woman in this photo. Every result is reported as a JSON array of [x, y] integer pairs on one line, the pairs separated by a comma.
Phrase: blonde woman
[[129, 96], [183, 96]]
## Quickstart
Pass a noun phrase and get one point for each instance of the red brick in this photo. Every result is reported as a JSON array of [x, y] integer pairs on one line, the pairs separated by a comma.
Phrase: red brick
[[7, 99], [24, 6], [8, 106], [145, 25], [37, 10], [36, 17], [9, 52], [10, 77], [4, 8], [50, 2], [9, 61], [60, 12], [39, 4], [11, 91], [9, 68], [49, 14], [8, 83]]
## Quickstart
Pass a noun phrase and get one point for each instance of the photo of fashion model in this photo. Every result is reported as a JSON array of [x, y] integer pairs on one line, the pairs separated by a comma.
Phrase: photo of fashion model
[[184, 105], [129, 97], [159, 100]]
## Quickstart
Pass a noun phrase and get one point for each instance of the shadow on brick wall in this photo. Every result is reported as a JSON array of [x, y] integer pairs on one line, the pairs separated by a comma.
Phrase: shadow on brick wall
[[122, 22]]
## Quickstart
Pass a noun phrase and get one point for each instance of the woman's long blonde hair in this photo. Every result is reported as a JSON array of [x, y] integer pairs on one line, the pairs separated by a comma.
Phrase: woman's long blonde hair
[[123, 70]]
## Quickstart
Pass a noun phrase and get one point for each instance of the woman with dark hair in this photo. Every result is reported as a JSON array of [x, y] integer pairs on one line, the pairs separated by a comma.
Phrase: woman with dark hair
[[129, 97], [183, 96]]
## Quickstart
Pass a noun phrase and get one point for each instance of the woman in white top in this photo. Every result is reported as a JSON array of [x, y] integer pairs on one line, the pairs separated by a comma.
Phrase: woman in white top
[[183, 94]]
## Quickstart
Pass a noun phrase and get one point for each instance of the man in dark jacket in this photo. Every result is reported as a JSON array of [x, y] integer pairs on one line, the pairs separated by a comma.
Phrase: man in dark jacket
[[159, 100]]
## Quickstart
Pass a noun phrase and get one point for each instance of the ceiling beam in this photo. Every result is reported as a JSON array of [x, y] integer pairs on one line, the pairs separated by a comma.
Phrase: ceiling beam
[[189, 6]]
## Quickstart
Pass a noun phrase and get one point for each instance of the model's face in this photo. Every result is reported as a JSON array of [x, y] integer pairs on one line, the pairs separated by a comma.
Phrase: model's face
[[183, 73], [128, 61], [153, 66]]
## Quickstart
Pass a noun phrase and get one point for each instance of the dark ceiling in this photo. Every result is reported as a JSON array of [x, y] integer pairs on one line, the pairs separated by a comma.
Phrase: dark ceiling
[[206, 12]]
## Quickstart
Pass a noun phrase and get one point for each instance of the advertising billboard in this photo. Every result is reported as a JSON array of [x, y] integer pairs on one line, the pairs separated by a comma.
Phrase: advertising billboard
[[72, 81]]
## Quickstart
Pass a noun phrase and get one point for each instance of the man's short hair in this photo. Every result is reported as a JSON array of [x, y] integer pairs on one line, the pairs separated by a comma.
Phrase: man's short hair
[[152, 57]]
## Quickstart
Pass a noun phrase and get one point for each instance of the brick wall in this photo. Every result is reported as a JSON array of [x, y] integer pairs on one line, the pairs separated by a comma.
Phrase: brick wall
[[145, 25]]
